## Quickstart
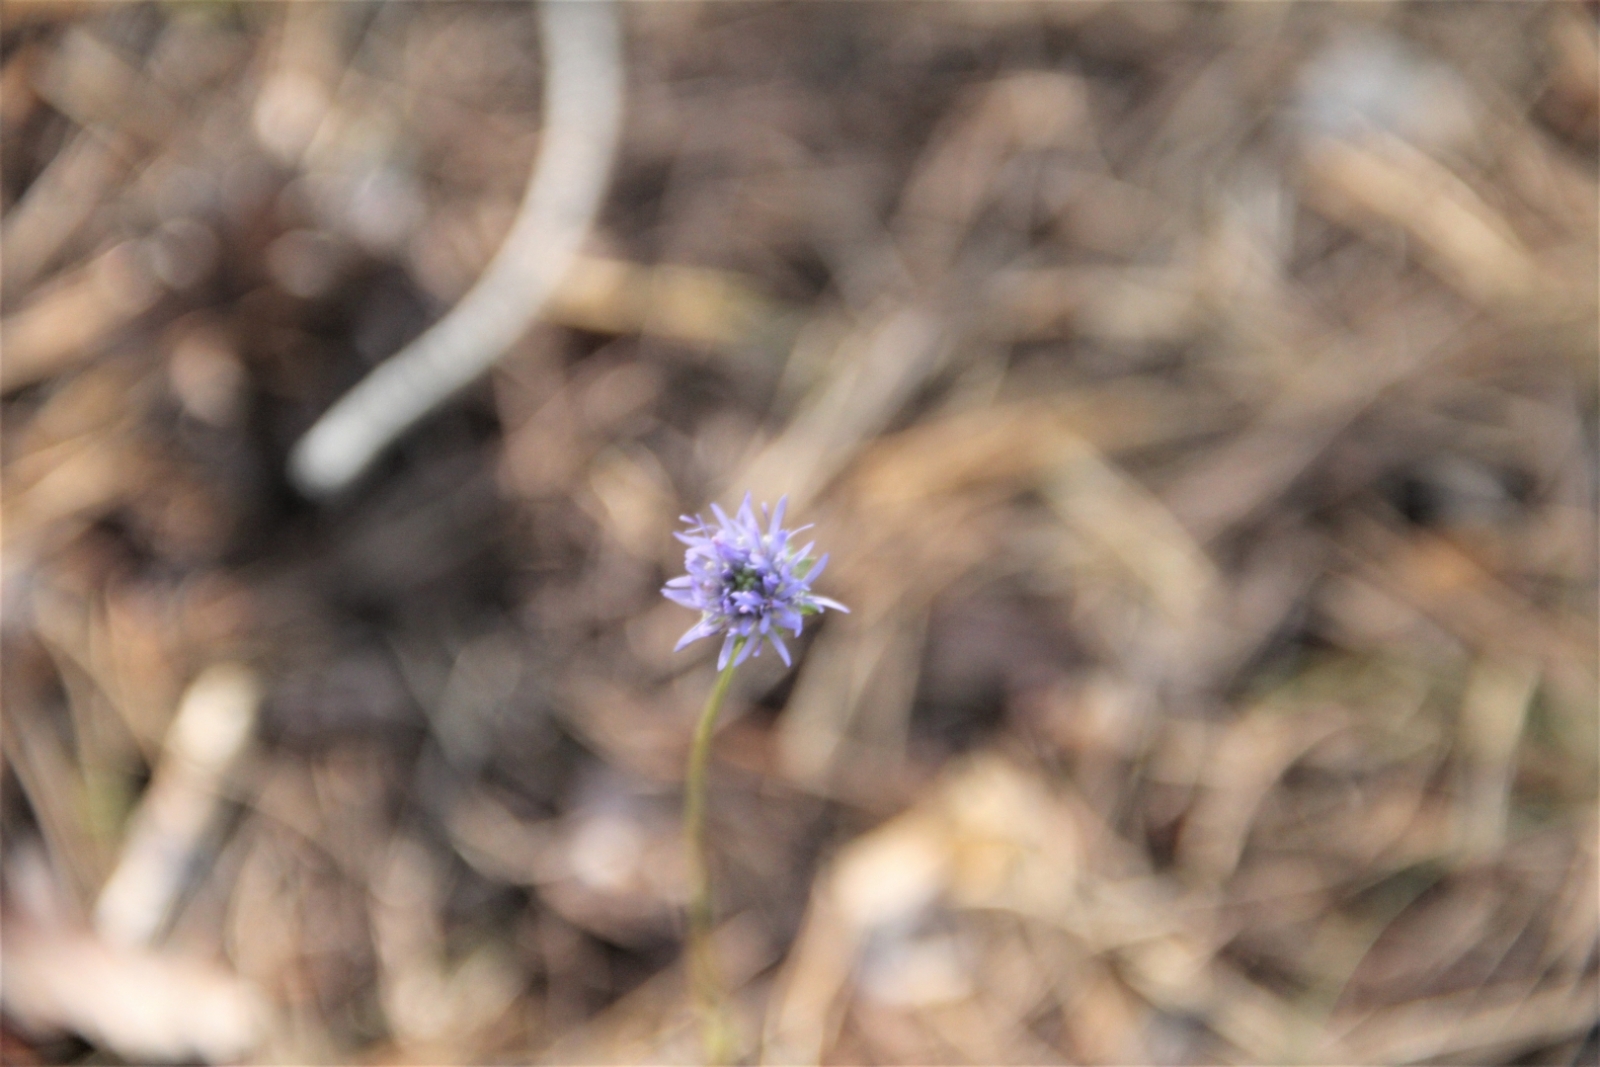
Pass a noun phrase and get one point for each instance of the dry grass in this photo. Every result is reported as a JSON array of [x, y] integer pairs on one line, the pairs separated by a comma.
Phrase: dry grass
[[1199, 402]]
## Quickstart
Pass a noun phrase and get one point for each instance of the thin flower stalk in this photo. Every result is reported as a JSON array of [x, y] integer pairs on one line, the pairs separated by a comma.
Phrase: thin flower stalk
[[702, 966], [750, 583]]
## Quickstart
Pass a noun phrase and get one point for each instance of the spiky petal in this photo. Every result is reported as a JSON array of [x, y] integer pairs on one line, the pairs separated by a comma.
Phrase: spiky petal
[[748, 583]]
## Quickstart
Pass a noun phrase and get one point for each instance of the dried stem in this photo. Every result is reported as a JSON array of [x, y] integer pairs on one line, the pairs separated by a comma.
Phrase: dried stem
[[583, 114]]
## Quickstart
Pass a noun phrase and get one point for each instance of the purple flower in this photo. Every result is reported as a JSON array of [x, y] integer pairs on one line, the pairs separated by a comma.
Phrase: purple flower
[[746, 582]]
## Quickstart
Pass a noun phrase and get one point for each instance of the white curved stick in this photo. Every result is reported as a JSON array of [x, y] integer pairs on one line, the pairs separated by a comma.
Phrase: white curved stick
[[583, 111]]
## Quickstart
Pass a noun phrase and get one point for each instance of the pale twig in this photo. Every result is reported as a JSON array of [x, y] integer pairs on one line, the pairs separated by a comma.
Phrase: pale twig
[[583, 111], [701, 963]]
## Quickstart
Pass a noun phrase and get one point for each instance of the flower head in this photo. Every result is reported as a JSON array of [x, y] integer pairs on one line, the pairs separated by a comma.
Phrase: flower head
[[747, 582]]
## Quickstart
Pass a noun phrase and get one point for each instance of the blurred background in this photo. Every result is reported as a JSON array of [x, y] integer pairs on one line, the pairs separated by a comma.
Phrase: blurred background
[[1198, 400]]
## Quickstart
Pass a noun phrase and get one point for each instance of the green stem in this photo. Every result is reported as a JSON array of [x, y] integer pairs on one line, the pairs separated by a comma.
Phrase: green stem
[[702, 965]]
